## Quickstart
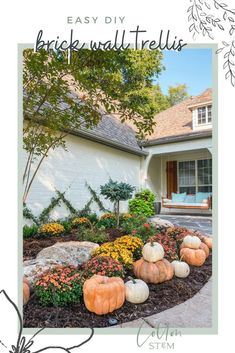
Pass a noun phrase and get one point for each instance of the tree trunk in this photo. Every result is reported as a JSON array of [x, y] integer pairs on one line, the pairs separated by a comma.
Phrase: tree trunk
[[118, 214]]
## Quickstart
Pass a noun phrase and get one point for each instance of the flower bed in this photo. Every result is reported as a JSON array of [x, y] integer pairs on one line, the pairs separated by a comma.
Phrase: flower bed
[[119, 258]]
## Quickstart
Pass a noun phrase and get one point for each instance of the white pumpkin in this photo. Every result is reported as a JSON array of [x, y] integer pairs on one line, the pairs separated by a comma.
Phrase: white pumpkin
[[192, 242], [137, 291], [153, 252], [181, 268]]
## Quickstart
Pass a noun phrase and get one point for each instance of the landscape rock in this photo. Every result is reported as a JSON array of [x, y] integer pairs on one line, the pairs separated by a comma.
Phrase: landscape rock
[[34, 268], [66, 253], [69, 253], [161, 222]]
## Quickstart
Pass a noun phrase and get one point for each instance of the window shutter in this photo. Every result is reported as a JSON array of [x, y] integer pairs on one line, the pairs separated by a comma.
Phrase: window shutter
[[171, 175]]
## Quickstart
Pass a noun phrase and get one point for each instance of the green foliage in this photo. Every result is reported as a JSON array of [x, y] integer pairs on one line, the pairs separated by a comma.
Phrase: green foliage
[[102, 78], [28, 214], [107, 220], [143, 203], [67, 224], [94, 235], [29, 231], [95, 198], [59, 287], [145, 231], [132, 223], [177, 94], [115, 191]]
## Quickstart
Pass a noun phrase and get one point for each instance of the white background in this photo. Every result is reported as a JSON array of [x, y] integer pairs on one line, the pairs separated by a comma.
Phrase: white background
[[20, 22]]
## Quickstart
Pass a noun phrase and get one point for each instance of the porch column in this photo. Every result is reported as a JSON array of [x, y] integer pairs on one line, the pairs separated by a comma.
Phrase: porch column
[[144, 170]]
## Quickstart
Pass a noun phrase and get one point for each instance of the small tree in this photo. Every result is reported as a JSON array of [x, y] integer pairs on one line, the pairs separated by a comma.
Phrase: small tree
[[116, 192]]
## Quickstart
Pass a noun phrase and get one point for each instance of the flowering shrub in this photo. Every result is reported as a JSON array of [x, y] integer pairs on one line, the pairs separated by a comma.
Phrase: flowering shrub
[[48, 229], [81, 222], [145, 231], [132, 223], [107, 220], [131, 243], [169, 246], [104, 266], [59, 286], [177, 232], [124, 217], [116, 251]]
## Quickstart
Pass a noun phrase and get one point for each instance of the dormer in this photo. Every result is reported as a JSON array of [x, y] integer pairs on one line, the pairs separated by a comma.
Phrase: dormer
[[201, 115]]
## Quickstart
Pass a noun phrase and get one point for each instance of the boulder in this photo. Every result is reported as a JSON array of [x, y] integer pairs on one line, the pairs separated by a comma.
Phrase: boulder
[[68, 253], [34, 268], [161, 222]]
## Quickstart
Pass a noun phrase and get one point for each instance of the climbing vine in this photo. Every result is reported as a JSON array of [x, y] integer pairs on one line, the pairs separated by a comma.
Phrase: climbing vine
[[44, 217]]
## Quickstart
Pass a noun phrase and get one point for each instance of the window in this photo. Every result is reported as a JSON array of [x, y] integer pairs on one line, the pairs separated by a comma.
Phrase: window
[[204, 115], [195, 176]]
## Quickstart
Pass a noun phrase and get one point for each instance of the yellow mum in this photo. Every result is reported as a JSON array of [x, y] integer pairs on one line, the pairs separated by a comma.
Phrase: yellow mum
[[51, 228], [115, 251], [130, 242], [80, 221]]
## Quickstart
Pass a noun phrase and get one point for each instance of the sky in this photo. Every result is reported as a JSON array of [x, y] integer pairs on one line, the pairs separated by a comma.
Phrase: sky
[[190, 66]]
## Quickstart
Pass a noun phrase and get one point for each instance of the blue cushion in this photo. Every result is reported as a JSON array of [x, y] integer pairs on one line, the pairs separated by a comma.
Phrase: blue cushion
[[178, 197], [190, 199], [200, 196]]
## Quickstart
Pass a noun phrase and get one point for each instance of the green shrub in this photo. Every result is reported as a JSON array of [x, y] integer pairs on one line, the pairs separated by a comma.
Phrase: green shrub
[[92, 218], [29, 231], [107, 220], [134, 222], [143, 203], [94, 235], [145, 231], [67, 224], [59, 287]]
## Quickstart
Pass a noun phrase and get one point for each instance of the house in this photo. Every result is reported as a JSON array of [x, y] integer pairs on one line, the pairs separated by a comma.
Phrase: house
[[177, 157]]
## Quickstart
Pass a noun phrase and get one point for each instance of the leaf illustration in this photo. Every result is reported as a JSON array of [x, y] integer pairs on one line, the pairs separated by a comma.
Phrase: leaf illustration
[[20, 344]]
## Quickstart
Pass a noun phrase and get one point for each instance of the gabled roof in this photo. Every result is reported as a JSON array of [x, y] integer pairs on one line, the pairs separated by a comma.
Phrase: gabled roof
[[177, 120]]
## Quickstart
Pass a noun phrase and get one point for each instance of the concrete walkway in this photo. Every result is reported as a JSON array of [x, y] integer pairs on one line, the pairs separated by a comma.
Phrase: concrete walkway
[[193, 313], [203, 224]]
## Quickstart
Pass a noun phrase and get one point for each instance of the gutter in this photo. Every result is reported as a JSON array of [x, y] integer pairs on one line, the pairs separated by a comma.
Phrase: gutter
[[108, 142], [177, 138]]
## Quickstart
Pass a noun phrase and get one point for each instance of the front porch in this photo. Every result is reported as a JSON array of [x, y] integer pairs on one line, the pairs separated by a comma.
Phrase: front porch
[[183, 167]]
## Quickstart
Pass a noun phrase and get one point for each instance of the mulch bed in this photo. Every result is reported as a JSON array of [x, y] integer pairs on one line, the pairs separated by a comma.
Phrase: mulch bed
[[162, 296], [33, 246]]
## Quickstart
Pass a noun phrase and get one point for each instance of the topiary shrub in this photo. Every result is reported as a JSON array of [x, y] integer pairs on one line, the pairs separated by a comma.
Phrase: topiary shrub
[[116, 192], [143, 203]]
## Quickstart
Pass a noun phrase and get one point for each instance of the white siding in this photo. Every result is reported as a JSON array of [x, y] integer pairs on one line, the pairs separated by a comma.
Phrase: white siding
[[85, 161]]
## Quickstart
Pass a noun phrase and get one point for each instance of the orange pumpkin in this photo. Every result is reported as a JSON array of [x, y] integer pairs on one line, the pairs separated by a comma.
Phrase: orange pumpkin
[[153, 272], [202, 246], [194, 257], [26, 291], [207, 241], [103, 295]]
